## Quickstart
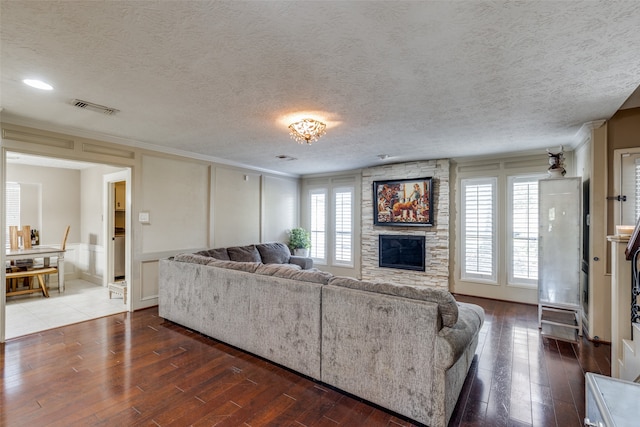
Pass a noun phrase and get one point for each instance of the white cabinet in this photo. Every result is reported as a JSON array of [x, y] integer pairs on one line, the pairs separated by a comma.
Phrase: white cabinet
[[559, 308]]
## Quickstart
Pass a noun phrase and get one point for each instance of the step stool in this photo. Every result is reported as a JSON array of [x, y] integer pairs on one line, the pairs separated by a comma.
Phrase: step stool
[[119, 288]]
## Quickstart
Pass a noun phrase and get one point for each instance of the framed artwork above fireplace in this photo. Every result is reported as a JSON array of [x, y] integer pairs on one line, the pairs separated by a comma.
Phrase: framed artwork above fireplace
[[403, 202]]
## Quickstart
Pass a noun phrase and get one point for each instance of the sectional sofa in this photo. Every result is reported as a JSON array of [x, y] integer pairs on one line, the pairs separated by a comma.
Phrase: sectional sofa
[[405, 348]]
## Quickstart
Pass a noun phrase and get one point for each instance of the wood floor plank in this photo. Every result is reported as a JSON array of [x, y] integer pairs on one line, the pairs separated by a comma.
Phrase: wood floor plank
[[137, 369]]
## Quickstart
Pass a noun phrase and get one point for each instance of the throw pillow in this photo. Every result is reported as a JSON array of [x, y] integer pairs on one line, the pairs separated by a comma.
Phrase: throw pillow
[[244, 253], [274, 253], [219, 253]]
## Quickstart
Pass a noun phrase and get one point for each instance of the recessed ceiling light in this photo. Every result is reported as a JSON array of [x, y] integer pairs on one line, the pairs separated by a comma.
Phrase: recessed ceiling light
[[38, 84]]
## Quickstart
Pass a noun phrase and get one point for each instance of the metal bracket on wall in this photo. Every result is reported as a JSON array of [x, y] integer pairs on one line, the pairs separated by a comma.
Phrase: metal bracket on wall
[[618, 198]]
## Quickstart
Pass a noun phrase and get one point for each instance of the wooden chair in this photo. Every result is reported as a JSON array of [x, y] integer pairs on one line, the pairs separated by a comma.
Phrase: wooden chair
[[63, 246], [19, 238], [64, 238], [40, 273], [16, 234]]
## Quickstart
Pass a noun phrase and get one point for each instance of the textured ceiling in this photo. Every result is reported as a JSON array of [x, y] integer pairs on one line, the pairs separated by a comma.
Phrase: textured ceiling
[[414, 80]]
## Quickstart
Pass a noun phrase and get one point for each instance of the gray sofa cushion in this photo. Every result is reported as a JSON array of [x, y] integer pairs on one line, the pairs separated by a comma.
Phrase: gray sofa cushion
[[304, 262], [453, 342], [447, 305], [313, 275], [249, 267], [219, 253], [194, 258], [247, 253], [271, 269], [274, 253]]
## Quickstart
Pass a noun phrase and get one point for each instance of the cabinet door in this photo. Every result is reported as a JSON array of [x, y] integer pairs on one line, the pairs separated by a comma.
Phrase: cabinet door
[[559, 268]]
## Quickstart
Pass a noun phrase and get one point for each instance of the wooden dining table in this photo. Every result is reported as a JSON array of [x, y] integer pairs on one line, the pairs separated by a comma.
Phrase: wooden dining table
[[45, 252]]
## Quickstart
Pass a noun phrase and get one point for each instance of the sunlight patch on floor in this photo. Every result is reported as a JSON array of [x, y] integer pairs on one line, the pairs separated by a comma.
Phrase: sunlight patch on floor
[[81, 300]]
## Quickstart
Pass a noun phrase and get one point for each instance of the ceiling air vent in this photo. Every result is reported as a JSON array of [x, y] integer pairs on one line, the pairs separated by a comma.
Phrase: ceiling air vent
[[94, 107]]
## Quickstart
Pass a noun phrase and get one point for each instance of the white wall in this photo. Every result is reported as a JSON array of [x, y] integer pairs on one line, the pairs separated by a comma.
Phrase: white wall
[[280, 205], [236, 207], [60, 198], [175, 192]]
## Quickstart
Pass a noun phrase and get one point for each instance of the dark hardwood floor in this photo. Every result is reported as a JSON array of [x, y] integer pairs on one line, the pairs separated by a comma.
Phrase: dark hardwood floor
[[136, 369]]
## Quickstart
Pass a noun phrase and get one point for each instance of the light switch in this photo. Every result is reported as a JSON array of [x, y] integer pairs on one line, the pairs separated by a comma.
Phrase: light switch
[[143, 217]]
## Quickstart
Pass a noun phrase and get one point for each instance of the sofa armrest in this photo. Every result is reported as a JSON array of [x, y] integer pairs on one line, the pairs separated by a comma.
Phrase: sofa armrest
[[303, 262], [453, 341]]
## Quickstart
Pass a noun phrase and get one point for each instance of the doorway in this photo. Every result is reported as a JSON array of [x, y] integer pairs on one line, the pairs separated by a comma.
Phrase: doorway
[[117, 228], [71, 193]]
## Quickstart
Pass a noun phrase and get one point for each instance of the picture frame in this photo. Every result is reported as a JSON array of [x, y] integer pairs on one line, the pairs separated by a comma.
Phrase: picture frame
[[403, 202]]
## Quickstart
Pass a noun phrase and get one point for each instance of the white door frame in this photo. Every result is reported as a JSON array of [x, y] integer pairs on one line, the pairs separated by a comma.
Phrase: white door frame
[[108, 208]]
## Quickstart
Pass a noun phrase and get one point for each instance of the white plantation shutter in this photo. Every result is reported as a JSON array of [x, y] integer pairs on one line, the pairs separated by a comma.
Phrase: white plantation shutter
[[12, 204], [479, 228], [318, 199], [523, 244], [343, 205]]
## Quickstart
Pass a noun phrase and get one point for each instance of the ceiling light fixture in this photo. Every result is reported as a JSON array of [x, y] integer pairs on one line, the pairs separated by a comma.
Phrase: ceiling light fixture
[[307, 131], [38, 84]]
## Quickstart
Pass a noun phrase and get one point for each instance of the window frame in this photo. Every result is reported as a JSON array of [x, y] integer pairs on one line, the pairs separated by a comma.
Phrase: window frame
[[464, 274], [314, 246], [351, 191], [511, 280]]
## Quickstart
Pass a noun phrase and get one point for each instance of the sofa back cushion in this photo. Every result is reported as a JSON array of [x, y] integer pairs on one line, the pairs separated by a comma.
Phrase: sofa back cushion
[[219, 253], [249, 267], [447, 305], [247, 253], [193, 258], [272, 269], [313, 275], [274, 253]]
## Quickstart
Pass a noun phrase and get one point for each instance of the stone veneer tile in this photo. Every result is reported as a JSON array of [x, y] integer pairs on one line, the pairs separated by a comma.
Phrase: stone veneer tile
[[436, 237]]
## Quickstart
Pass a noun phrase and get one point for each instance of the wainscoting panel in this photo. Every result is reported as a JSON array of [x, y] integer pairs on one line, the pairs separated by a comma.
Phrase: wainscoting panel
[[149, 280], [89, 262]]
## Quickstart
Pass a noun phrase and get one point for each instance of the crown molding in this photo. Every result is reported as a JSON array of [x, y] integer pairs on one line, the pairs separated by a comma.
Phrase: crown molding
[[31, 123]]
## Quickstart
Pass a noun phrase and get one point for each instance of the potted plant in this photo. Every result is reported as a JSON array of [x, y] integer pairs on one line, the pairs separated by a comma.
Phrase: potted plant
[[300, 241]]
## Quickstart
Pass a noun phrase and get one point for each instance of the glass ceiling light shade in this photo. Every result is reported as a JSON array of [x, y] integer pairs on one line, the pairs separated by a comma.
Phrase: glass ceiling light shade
[[307, 131]]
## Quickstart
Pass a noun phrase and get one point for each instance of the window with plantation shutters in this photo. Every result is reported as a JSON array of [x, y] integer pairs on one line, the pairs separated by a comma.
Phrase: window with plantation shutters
[[343, 236], [479, 228], [523, 230], [12, 204], [318, 209]]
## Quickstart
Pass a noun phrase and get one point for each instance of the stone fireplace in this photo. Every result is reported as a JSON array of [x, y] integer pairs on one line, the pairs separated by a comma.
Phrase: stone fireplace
[[436, 237]]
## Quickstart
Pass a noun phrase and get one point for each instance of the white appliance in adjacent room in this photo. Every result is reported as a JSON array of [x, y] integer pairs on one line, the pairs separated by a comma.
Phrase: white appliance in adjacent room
[[118, 253]]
